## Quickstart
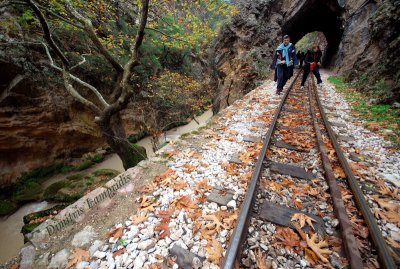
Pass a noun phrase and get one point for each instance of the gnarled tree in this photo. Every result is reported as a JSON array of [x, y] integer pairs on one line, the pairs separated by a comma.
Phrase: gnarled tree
[[107, 109]]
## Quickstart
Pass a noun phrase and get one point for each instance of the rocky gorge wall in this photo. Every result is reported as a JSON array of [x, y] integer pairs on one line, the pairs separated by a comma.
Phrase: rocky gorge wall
[[40, 124], [361, 35]]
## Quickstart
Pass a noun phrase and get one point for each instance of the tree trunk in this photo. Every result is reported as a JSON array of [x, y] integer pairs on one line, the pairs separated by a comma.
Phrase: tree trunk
[[130, 154]]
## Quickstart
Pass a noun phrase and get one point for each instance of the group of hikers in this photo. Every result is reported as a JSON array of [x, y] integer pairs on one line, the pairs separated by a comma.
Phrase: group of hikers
[[286, 58]]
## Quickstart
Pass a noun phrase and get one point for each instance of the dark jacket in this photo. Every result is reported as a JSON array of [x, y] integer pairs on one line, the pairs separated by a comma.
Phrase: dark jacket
[[278, 55], [312, 56]]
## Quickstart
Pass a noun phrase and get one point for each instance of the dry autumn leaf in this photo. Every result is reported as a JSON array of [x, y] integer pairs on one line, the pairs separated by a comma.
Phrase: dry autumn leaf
[[140, 217], [163, 229], [303, 219], [78, 256], [386, 203], [319, 248], [287, 237], [184, 202], [261, 260], [119, 252], [214, 251], [116, 233], [202, 186], [179, 185], [147, 204]]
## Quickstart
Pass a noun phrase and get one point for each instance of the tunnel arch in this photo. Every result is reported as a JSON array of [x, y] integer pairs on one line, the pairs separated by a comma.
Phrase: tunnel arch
[[317, 15]]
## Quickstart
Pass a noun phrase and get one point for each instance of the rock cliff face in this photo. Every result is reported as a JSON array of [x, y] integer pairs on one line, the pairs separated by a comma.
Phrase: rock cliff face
[[40, 124], [358, 33]]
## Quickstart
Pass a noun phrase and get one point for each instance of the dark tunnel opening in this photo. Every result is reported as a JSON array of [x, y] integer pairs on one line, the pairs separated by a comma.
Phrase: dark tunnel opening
[[322, 16]]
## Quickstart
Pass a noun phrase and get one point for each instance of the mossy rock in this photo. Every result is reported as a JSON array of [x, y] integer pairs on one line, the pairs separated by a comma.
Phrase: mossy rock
[[28, 228], [98, 158], [44, 213], [31, 191], [7, 207], [138, 154], [85, 165], [75, 186], [108, 173]]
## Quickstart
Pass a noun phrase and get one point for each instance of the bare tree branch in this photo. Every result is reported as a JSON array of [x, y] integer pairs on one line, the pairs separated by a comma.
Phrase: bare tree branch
[[135, 47], [46, 32], [72, 91], [89, 29]]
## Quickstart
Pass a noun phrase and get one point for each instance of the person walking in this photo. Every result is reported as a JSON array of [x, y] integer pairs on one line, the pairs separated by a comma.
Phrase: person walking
[[312, 62], [300, 58], [283, 63]]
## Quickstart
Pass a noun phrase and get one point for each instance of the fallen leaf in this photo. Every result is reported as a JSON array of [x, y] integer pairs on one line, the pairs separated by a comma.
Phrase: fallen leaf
[[179, 185], [118, 252], [116, 233], [147, 204], [184, 202], [163, 228], [303, 219], [140, 217], [288, 237], [261, 260], [320, 248], [214, 251], [147, 188], [386, 203], [77, 256]]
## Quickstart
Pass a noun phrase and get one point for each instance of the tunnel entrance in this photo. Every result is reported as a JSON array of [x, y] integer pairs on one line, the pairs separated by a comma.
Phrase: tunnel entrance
[[318, 16], [317, 38]]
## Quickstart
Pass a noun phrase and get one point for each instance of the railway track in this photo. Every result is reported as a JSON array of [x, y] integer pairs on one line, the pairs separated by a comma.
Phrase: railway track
[[301, 173]]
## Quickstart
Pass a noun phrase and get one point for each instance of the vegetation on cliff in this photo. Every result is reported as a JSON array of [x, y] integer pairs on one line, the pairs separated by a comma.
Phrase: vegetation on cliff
[[114, 56]]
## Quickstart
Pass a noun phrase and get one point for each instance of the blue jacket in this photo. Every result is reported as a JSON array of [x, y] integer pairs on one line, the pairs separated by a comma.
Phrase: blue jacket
[[278, 55]]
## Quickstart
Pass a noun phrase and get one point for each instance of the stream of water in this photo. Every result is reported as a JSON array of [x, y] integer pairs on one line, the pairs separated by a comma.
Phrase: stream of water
[[11, 238]]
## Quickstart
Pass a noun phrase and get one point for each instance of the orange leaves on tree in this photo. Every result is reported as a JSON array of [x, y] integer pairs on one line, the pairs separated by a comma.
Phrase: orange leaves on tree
[[78, 256]]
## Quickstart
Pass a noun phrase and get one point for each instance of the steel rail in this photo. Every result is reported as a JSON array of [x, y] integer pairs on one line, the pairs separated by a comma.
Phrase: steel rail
[[375, 233], [243, 220], [349, 240]]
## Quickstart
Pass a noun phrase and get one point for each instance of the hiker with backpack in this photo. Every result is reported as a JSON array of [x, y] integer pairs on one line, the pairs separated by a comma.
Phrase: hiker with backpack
[[284, 61], [312, 62]]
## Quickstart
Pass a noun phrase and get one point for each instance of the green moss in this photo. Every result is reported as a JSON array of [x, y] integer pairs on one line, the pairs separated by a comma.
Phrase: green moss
[[185, 135], [98, 158], [137, 154], [136, 137], [387, 117], [109, 173], [7, 207], [28, 228], [85, 165], [31, 191], [50, 194]]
